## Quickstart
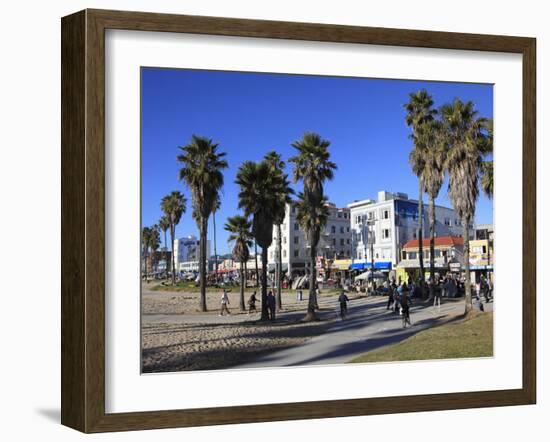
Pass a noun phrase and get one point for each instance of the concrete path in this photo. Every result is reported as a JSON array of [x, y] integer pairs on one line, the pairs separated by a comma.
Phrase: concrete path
[[368, 326]]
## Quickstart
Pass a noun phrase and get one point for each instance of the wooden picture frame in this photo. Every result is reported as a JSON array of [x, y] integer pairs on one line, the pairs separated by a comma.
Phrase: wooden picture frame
[[83, 220]]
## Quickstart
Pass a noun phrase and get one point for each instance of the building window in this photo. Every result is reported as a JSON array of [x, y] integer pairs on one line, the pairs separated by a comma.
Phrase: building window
[[385, 233], [347, 229], [341, 241], [370, 215], [339, 214], [345, 215], [386, 214], [437, 253], [293, 209], [296, 240], [284, 239], [447, 221], [333, 241], [332, 229], [284, 253], [296, 253], [341, 229], [358, 219], [413, 255], [414, 234], [457, 222], [403, 255], [347, 241]]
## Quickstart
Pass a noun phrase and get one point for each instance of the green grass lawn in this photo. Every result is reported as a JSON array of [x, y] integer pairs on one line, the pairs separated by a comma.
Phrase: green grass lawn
[[467, 338], [191, 287]]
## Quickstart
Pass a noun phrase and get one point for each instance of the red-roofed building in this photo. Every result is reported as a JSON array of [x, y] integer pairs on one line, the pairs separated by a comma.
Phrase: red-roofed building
[[441, 241], [448, 251]]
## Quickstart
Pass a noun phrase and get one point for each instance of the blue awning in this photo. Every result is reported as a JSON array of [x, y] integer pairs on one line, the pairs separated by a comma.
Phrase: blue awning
[[380, 265], [358, 266]]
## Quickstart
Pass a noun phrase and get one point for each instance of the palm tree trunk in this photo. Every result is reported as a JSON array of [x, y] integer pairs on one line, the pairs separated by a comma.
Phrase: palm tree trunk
[[279, 270], [215, 250], [421, 237], [245, 274], [256, 261], [432, 248], [241, 301], [173, 260], [202, 263], [312, 301], [466, 258], [265, 316], [146, 274], [165, 255]]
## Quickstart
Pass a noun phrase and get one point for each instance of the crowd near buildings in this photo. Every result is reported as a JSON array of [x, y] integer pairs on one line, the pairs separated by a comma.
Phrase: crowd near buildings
[[379, 233]]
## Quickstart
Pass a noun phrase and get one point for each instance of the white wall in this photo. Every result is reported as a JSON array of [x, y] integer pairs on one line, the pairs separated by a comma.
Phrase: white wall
[[30, 171]]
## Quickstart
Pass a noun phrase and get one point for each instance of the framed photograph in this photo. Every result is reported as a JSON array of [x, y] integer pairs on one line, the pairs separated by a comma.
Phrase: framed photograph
[[266, 221]]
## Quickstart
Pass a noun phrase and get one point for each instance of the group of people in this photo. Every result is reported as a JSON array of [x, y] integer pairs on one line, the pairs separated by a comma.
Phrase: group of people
[[399, 300], [271, 304]]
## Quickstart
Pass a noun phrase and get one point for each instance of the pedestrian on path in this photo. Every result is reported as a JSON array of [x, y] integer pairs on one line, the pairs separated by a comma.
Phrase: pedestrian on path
[[343, 300], [252, 303], [224, 303], [391, 289], [437, 297], [271, 305], [405, 302]]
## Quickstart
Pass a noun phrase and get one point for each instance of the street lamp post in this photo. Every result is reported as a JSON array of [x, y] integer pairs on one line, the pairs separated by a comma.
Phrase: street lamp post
[[370, 224]]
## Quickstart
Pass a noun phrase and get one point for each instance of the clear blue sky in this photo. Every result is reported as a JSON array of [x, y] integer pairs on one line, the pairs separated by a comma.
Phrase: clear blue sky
[[249, 114]]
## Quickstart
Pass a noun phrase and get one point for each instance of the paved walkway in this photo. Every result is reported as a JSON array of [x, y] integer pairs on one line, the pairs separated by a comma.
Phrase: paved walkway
[[368, 326]]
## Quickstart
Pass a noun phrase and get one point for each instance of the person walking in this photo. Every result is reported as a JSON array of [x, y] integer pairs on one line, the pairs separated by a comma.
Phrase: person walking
[[224, 303], [484, 287], [271, 305], [391, 290], [437, 296], [252, 303], [343, 300], [405, 302]]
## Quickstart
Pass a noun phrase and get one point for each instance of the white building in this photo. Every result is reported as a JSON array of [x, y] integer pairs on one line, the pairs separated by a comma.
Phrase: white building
[[388, 223], [187, 252], [335, 241]]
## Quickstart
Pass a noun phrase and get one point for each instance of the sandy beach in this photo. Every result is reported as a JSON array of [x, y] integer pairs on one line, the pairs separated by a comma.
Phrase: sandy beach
[[176, 336]]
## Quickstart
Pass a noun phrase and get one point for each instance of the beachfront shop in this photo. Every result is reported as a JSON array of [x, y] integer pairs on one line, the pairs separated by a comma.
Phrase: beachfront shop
[[340, 270]]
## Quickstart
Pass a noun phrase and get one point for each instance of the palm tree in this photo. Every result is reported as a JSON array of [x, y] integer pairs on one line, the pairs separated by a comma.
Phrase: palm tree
[[145, 242], [431, 141], [313, 167], [154, 244], [419, 111], [239, 228], [312, 219], [217, 204], [202, 167], [260, 186], [487, 165], [487, 178], [256, 263], [278, 165], [467, 137], [164, 225], [173, 205]]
